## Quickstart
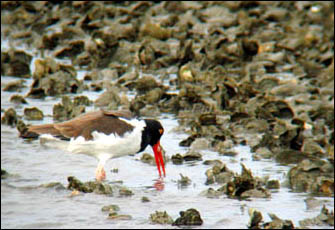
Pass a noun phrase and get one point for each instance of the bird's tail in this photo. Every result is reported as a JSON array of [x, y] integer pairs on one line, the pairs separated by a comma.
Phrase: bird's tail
[[35, 130]]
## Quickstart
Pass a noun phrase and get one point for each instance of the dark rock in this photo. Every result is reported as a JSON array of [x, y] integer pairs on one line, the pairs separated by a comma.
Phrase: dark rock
[[245, 185], [278, 109], [18, 99], [192, 156], [76, 184], [15, 63], [9, 117], [33, 114], [272, 184], [4, 174], [207, 119], [145, 199], [90, 186], [177, 159], [74, 49], [187, 142], [188, 217]]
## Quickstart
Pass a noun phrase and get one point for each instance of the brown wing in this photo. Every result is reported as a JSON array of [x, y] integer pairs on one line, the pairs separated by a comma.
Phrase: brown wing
[[102, 121], [122, 113]]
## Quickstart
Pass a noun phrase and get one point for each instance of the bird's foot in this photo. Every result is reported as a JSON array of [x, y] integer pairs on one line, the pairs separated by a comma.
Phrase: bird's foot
[[100, 173]]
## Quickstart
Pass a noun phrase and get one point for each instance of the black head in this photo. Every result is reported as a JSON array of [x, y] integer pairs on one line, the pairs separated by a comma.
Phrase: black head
[[151, 134]]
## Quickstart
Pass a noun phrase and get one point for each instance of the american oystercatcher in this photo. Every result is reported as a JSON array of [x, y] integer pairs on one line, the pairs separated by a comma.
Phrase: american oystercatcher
[[104, 135]]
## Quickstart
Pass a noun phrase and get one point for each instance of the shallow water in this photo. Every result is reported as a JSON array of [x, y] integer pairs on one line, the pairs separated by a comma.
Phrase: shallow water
[[26, 205]]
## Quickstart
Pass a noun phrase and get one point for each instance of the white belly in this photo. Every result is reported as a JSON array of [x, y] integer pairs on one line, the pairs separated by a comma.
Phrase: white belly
[[103, 146]]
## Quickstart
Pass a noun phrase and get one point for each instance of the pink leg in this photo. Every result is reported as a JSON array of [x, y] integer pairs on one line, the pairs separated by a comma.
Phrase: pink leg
[[100, 173]]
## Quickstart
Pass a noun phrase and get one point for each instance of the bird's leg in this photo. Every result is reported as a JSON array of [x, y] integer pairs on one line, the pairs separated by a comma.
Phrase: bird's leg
[[100, 173]]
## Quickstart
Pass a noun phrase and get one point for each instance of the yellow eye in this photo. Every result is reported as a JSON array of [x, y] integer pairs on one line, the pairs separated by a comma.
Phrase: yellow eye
[[161, 131]]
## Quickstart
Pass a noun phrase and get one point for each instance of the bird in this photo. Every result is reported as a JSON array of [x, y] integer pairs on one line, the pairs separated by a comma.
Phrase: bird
[[104, 135]]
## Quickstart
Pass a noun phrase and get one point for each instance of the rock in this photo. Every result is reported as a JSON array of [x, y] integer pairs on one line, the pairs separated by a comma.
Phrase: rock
[[272, 184], [207, 119], [125, 192], [90, 186], [109, 99], [15, 63], [187, 142], [23, 130], [67, 109], [275, 14], [18, 99], [145, 199], [200, 144], [4, 174], [9, 117], [14, 86], [255, 193], [120, 217], [154, 30], [54, 185], [245, 186], [264, 152], [324, 218], [189, 217], [111, 207], [149, 111], [145, 84], [160, 217], [219, 173], [255, 218], [184, 181], [278, 223], [177, 159], [279, 109], [212, 193], [315, 176], [71, 51], [192, 156], [154, 95], [33, 114], [148, 158], [81, 100], [52, 79]]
